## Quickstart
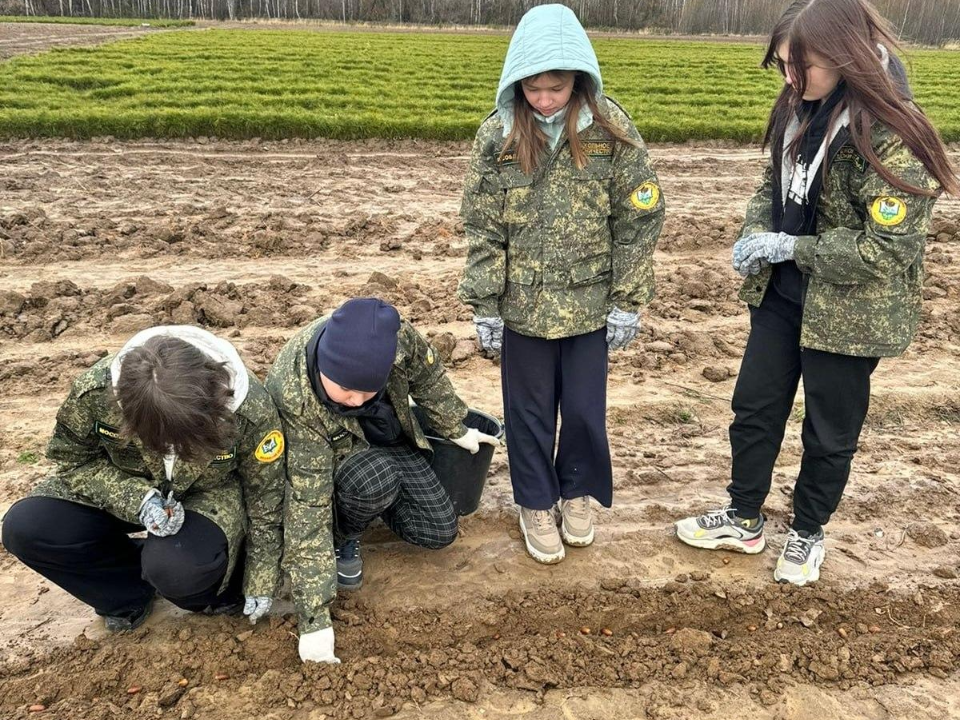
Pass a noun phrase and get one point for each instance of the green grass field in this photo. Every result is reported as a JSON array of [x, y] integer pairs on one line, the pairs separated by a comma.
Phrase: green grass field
[[275, 84], [119, 22]]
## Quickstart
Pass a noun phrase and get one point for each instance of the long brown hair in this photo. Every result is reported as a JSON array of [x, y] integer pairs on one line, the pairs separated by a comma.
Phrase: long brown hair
[[175, 398], [846, 33], [529, 142]]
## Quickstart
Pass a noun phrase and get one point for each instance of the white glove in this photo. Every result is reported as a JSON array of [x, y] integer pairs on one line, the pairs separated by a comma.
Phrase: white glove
[[472, 438], [317, 646], [255, 607]]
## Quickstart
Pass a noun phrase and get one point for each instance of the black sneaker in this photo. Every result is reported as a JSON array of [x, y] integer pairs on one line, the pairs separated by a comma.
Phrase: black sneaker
[[128, 621], [228, 608], [349, 566]]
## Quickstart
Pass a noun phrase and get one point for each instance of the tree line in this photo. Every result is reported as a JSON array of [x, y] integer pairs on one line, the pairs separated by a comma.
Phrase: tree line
[[932, 22]]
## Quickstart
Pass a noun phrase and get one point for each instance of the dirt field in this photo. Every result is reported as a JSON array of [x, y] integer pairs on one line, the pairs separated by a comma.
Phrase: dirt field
[[252, 240], [24, 38], [100, 239]]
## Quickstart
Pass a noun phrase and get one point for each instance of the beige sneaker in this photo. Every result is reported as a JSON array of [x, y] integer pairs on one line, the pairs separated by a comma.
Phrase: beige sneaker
[[539, 528], [576, 525]]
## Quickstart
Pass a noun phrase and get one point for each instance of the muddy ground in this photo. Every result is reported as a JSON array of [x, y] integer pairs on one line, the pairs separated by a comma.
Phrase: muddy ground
[[30, 38], [251, 239]]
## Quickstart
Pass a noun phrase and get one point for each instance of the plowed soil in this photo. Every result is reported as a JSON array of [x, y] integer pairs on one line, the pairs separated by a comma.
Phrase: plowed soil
[[252, 240]]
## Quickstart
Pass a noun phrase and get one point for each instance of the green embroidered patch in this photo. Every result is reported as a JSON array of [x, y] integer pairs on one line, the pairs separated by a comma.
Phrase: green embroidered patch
[[850, 155]]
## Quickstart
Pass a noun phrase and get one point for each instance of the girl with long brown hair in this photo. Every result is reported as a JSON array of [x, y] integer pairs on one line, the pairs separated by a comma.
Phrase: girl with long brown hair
[[562, 211], [832, 258]]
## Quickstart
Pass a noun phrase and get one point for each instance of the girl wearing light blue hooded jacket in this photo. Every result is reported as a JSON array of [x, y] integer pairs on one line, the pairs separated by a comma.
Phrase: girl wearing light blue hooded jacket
[[562, 211]]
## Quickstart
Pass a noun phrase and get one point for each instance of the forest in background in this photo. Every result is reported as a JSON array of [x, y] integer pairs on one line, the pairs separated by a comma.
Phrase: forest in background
[[931, 22]]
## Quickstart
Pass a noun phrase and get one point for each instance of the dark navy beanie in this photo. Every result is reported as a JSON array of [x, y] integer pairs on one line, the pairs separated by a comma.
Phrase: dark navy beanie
[[359, 344]]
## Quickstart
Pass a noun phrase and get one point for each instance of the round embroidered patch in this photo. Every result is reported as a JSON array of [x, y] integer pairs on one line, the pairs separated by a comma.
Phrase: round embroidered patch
[[270, 448], [888, 211], [646, 196]]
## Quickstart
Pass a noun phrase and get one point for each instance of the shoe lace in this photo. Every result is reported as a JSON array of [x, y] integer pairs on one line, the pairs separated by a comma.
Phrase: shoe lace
[[544, 521], [797, 549], [715, 518], [578, 507], [349, 550]]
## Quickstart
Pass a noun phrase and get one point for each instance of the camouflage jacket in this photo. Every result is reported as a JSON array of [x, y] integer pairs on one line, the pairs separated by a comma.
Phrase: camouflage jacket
[[318, 440], [865, 265], [241, 490], [551, 253]]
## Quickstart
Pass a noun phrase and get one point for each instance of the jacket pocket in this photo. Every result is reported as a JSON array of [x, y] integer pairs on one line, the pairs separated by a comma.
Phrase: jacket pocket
[[518, 205], [589, 195], [591, 270], [520, 295]]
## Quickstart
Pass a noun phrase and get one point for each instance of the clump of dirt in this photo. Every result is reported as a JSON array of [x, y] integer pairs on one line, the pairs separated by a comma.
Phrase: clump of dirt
[[618, 636], [41, 373], [683, 232], [30, 235], [928, 535], [695, 290], [259, 353], [50, 309], [433, 300]]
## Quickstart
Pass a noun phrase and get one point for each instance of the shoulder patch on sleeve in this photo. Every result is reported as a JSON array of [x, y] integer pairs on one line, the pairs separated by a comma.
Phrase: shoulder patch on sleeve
[[850, 155], [270, 448], [888, 211], [646, 196], [107, 432]]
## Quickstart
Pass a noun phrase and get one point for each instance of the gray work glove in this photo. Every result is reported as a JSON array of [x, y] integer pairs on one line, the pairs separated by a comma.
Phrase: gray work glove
[[255, 607], [162, 517], [754, 252], [490, 333], [622, 328]]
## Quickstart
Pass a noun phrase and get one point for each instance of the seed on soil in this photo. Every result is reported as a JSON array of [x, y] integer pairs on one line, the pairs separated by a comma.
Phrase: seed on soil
[[36, 708], [842, 632], [183, 682], [752, 628], [133, 690], [874, 629], [584, 630], [726, 561], [221, 676], [497, 636], [607, 632], [561, 634], [670, 631]]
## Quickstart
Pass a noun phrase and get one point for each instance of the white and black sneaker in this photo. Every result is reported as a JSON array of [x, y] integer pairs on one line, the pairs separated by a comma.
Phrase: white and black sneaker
[[801, 558], [723, 529]]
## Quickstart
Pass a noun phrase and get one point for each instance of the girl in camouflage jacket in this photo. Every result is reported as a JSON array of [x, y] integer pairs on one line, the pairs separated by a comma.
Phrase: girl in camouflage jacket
[[174, 436], [832, 258], [562, 211]]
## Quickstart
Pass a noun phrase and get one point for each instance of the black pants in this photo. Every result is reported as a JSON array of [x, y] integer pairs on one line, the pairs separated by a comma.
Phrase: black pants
[[540, 377], [397, 484], [836, 398], [88, 553]]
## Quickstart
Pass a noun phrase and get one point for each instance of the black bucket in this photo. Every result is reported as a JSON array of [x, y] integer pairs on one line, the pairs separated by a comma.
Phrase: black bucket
[[462, 475]]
